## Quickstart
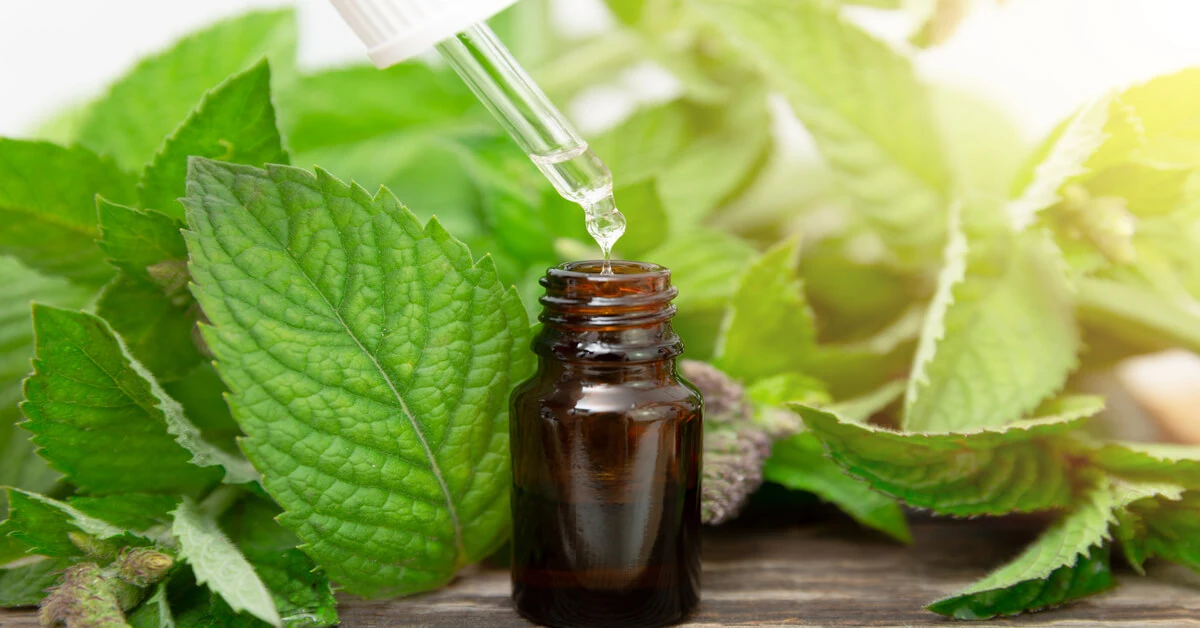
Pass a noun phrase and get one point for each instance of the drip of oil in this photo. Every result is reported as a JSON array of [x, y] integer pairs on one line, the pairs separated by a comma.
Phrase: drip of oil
[[579, 176]]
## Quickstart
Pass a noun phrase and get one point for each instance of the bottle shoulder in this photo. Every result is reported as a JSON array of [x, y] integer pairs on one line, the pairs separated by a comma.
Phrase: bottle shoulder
[[672, 397]]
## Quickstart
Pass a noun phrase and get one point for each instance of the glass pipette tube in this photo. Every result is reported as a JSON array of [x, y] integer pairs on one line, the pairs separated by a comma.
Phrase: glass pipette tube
[[541, 130]]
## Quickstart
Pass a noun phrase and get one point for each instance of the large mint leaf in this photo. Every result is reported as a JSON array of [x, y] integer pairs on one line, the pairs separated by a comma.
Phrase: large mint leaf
[[1069, 561], [869, 115], [999, 338], [48, 209], [144, 106], [218, 564], [988, 471], [234, 122], [19, 466], [367, 355], [768, 328], [88, 399], [799, 463]]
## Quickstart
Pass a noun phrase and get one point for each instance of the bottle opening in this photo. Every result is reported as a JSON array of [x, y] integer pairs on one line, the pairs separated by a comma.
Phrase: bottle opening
[[630, 307], [626, 283]]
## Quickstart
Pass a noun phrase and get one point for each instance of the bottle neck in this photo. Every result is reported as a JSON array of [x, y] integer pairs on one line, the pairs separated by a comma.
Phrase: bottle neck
[[597, 321]]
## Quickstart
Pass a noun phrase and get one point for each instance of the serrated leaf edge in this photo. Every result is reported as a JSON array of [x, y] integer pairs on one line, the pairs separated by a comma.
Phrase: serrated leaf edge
[[190, 515], [953, 273], [1082, 137]]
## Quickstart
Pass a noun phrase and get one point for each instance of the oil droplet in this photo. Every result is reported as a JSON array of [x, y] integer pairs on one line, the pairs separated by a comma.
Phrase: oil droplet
[[606, 223]]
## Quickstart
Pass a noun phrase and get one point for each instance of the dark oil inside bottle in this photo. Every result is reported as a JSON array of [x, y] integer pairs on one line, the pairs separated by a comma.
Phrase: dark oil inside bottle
[[606, 442]]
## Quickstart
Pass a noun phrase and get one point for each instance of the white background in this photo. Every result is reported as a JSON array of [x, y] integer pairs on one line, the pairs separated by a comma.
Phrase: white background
[[1039, 59]]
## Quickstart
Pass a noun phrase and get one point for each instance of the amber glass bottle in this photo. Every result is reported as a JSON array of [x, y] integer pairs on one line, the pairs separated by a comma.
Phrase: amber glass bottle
[[606, 442]]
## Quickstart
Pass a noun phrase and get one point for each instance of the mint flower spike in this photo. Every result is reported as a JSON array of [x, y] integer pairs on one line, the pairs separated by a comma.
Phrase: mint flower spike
[[735, 446], [84, 597]]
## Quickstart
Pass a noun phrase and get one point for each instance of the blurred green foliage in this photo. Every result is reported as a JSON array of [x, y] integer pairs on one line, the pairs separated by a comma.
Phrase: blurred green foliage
[[922, 265]]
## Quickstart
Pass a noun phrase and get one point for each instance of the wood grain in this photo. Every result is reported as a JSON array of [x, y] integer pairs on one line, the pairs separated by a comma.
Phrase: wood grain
[[826, 573]]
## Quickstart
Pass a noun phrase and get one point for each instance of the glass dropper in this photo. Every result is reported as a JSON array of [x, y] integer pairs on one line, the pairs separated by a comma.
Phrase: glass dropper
[[396, 29]]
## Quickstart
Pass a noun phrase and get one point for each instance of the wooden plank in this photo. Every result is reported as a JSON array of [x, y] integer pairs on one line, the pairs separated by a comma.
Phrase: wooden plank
[[822, 574]]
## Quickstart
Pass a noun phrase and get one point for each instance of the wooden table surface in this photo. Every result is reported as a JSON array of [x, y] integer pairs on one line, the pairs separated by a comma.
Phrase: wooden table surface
[[818, 573]]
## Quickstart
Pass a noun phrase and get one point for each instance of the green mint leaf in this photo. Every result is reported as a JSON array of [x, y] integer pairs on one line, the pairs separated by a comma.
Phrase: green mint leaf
[[301, 591], [234, 122], [42, 524], [648, 221], [136, 239], [219, 565], [1154, 123], [148, 303], [986, 471], [426, 345], [1148, 189], [639, 148], [769, 326], [144, 106], [1150, 462], [706, 266], [988, 150], [853, 369], [26, 585], [155, 612], [730, 143], [777, 390], [431, 170], [349, 105], [799, 463], [20, 467], [1063, 160], [1166, 526], [510, 193], [1137, 314], [202, 395], [861, 409], [861, 101], [157, 330], [48, 207], [131, 511], [1069, 561], [999, 337], [88, 398]]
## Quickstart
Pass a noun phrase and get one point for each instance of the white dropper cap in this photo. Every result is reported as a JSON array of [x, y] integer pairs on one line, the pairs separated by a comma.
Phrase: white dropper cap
[[396, 30]]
